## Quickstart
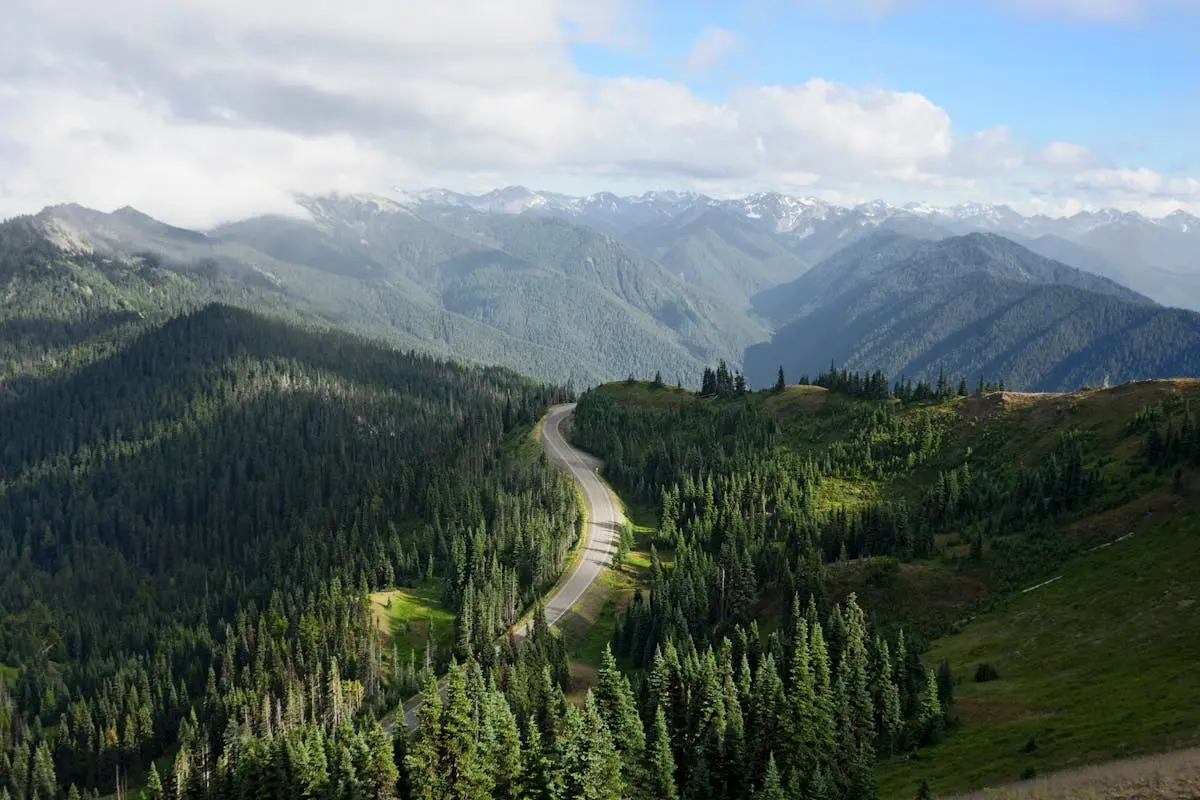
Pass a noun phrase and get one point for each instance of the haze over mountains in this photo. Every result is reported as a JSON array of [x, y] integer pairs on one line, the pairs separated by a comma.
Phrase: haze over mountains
[[586, 289]]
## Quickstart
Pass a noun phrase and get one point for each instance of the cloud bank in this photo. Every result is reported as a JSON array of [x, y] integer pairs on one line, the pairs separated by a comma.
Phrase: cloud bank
[[202, 110]]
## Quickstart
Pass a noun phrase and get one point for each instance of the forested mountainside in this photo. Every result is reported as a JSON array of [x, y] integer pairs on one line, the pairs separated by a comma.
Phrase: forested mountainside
[[973, 305], [936, 503], [1157, 257], [192, 515], [579, 298], [203, 520], [551, 299]]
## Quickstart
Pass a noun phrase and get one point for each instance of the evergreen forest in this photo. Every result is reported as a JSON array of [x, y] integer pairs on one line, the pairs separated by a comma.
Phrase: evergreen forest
[[209, 505]]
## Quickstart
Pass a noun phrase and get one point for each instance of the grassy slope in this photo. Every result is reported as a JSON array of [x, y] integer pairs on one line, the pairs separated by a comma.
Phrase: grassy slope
[[412, 615], [1094, 666]]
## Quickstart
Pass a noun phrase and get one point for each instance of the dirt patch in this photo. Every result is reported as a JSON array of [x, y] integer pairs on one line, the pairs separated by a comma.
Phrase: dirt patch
[[1146, 511], [797, 400], [978, 711], [990, 404], [907, 593], [1173, 776]]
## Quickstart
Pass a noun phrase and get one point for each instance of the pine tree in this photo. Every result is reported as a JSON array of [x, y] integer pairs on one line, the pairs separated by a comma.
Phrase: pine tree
[[799, 725], [772, 788], [824, 727], [931, 710], [465, 775], [858, 688], [537, 780], [821, 787], [605, 781], [615, 703], [888, 712], [660, 780], [42, 781], [500, 740], [424, 761], [381, 775], [780, 383], [334, 701], [589, 764], [154, 787], [182, 770]]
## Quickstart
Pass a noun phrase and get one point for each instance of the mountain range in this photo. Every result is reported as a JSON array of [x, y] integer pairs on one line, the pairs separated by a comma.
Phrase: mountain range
[[586, 289]]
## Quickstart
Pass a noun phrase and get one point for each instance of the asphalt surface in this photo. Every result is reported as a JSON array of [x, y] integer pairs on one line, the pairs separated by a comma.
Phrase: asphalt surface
[[600, 532]]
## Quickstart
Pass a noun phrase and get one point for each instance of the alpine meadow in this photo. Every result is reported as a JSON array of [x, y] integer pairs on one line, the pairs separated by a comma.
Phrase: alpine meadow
[[760, 401]]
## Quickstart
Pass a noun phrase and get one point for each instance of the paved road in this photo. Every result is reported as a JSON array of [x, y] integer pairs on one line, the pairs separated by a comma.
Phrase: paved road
[[603, 517], [600, 533]]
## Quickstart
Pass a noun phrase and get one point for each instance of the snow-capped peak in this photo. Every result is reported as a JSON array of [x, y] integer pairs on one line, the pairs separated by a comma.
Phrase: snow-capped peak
[[785, 213], [1181, 221]]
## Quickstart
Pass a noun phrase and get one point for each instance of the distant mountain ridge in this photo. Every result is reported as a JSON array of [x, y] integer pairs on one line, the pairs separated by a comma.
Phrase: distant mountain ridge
[[978, 305], [1157, 257], [787, 213], [591, 289]]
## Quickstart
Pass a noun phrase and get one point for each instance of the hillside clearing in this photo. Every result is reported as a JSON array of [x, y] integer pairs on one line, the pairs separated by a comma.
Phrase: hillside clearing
[[407, 617], [1096, 666]]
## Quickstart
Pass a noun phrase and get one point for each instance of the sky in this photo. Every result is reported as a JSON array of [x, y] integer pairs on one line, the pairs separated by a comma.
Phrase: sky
[[202, 111]]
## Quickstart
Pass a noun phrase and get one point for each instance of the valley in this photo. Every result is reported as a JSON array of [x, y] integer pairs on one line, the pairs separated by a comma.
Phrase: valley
[[266, 493], [599, 400]]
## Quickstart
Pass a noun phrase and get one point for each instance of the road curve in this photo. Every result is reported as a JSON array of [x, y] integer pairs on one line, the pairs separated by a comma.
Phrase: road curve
[[603, 517], [599, 534]]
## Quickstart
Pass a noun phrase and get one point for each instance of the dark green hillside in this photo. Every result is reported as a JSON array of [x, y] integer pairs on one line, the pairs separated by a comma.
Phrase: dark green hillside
[[191, 521], [892, 263], [549, 298], [937, 514], [974, 305]]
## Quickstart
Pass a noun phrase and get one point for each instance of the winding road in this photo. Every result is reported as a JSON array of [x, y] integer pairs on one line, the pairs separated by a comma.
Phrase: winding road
[[599, 534]]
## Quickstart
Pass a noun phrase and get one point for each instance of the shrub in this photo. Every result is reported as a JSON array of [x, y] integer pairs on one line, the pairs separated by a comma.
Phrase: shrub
[[1028, 774], [985, 673], [882, 572]]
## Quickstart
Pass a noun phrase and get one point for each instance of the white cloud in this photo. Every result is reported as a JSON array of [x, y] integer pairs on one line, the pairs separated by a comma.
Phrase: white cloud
[[202, 110], [987, 152], [1068, 157], [1120, 181], [712, 46]]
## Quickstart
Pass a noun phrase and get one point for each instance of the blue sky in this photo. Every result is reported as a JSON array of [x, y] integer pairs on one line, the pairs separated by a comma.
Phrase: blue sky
[[208, 110], [1120, 77]]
